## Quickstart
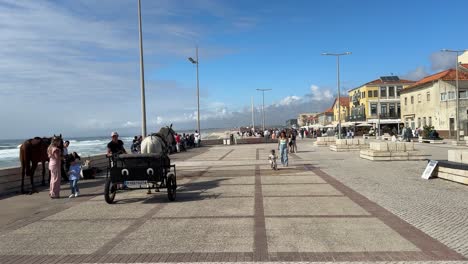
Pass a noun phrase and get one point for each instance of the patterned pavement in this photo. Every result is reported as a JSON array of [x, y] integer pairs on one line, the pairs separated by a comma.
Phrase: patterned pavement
[[231, 207]]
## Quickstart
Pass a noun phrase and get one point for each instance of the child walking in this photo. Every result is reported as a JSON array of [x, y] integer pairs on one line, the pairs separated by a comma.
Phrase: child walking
[[74, 174]]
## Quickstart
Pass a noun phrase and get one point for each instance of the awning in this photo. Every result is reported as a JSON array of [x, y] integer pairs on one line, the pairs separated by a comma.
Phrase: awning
[[385, 121], [364, 125]]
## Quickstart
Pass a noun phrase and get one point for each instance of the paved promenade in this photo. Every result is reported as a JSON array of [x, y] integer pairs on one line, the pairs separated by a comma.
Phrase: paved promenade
[[231, 207]]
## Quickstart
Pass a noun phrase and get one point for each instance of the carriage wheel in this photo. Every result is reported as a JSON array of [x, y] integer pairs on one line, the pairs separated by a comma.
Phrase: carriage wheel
[[171, 186], [110, 189]]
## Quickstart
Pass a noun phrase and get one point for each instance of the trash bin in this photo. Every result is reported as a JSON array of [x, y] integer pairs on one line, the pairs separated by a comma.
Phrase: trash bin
[[224, 141]]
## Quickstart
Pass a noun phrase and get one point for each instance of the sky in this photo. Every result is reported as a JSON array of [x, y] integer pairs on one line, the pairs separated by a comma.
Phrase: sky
[[72, 66]]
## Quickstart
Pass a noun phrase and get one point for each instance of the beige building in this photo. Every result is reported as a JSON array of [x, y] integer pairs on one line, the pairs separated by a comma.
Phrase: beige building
[[305, 119], [463, 58], [432, 101], [326, 117]]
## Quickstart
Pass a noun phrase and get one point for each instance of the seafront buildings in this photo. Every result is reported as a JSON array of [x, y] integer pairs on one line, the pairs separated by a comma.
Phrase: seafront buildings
[[380, 96], [429, 101], [432, 101]]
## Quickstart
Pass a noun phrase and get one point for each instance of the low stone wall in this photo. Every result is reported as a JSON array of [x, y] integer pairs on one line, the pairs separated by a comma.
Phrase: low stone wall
[[456, 169], [388, 151], [344, 145], [324, 141], [10, 178], [255, 140]]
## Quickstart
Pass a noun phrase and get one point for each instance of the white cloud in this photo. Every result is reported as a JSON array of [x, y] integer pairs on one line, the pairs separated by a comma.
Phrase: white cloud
[[290, 100], [319, 94], [78, 57], [416, 74], [441, 61]]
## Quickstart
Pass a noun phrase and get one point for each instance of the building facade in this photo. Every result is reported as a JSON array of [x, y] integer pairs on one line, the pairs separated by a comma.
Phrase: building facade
[[383, 93], [432, 101], [344, 102], [304, 119], [326, 117]]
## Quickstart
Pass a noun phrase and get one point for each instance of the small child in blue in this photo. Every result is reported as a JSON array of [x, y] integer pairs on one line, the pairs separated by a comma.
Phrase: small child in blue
[[74, 174]]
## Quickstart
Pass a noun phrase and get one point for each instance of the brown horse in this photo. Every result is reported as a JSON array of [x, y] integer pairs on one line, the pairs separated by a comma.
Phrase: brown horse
[[33, 151]]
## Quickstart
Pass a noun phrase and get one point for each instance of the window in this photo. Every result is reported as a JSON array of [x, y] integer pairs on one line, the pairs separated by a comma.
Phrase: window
[[383, 109], [398, 110], [363, 95], [419, 98], [398, 90], [373, 109], [376, 93], [406, 100], [391, 109], [369, 93], [391, 92], [412, 99], [428, 96], [451, 95], [383, 92], [424, 121], [430, 121], [443, 96], [462, 94], [419, 122]]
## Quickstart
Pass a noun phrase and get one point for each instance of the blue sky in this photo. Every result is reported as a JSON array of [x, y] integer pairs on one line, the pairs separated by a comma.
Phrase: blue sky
[[72, 66]]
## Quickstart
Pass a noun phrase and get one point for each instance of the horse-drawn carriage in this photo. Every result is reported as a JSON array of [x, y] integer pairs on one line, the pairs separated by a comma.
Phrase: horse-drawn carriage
[[151, 169], [140, 171]]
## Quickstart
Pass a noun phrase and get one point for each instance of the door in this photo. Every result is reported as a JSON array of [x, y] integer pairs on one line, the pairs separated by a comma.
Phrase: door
[[452, 127]]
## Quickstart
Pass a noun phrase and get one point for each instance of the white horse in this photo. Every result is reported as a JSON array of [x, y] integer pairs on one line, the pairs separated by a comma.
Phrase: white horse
[[159, 143]]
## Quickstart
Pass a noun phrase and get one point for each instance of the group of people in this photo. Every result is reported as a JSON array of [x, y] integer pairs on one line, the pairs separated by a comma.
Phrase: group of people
[[63, 165]]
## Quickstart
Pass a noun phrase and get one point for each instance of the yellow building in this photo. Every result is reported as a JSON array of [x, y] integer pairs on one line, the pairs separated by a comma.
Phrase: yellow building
[[364, 100], [344, 109]]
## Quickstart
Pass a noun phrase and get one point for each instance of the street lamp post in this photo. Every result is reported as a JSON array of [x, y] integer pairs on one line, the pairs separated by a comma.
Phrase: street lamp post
[[142, 76], [196, 61], [263, 106], [456, 89], [337, 55]]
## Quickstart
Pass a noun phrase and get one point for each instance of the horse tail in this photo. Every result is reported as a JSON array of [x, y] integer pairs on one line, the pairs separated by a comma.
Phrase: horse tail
[[25, 158]]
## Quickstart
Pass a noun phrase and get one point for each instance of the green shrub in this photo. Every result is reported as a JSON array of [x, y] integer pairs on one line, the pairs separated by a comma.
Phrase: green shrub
[[427, 131]]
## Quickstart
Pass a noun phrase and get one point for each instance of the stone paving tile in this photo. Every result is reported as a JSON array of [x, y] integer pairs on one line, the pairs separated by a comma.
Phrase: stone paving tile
[[223, 180], [292, 179], [299, 189], [333, 235], [433, 206], [209, 207], [221, 190], [285, 206], [189, 235], [100, 210]]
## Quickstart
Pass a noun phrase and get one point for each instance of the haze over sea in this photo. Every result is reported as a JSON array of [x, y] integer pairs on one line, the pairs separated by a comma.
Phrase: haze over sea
[[84, 146]]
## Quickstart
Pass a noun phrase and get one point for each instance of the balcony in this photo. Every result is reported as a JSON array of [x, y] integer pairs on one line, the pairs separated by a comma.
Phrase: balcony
[[355, 118], [387, 116]]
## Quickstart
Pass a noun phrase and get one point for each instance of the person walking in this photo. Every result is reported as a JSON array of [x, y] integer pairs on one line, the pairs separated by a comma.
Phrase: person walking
[[177, 140], [283, 148], [55, 159]]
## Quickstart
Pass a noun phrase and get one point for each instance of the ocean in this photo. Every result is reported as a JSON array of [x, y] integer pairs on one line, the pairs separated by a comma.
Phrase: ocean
[[84, 146]]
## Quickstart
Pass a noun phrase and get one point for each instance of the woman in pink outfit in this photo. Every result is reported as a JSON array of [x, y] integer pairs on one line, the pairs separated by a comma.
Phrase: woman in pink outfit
[[55, 156]]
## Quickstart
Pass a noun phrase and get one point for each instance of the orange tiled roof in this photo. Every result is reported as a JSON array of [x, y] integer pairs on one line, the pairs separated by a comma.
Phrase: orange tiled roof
[[329, 110], [343, 100], [379, 81], [447, 75], [465, 65]]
